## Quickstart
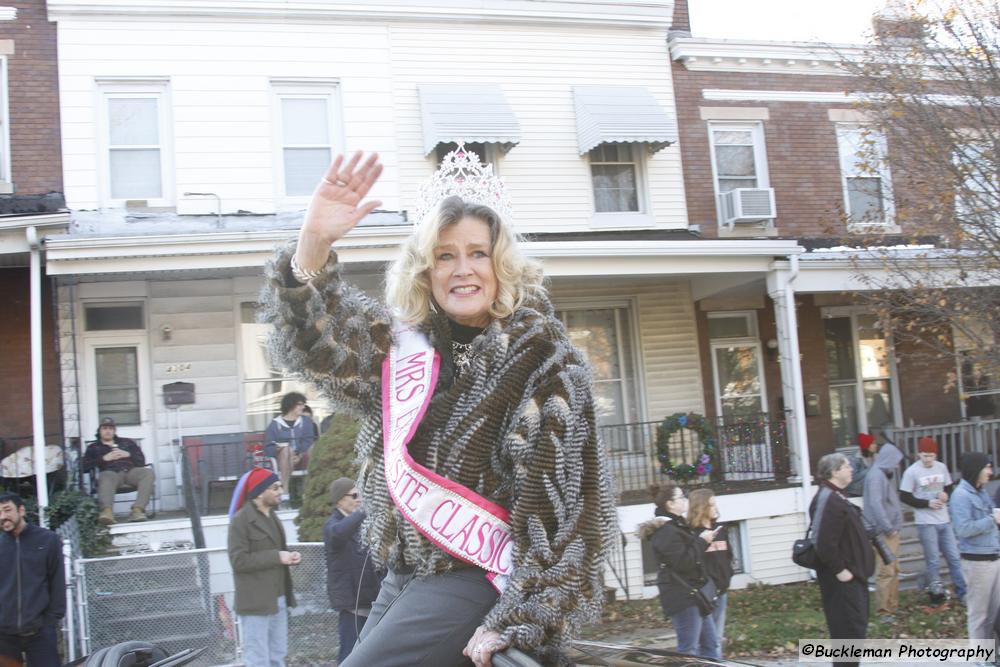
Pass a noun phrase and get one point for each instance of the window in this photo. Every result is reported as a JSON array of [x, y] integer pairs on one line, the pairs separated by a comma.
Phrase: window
[[865, 174], [117, 375], [614, 171], [604, 335], [113, 317], [485, 152], [6, 180], [977, 188], [134, 132], [978, 385], [859, 365], [306, 135], [738, 157], [737, 368], [263, 384]]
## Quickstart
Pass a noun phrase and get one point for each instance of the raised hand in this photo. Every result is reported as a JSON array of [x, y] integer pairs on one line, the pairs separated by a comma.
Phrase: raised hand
[[336, 206]]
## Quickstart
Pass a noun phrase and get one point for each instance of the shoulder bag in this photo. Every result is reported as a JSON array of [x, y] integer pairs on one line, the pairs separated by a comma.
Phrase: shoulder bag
[[705, 597], [804, 549]]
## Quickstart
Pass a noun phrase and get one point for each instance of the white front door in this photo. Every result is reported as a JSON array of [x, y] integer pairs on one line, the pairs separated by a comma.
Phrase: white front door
[[118, 386]]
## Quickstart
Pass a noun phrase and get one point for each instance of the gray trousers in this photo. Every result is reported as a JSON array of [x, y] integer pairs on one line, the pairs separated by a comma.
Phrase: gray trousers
[[424, 620], [109, 481], [982, 601]]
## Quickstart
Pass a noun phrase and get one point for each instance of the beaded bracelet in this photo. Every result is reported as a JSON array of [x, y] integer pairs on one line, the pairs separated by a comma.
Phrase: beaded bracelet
[[301, 274]]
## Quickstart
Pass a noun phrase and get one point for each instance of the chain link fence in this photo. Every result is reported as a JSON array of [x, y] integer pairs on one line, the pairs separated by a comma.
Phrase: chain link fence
[[184, 599]]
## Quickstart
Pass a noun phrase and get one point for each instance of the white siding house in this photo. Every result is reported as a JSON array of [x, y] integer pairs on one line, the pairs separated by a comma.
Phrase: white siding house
[[192, 133]]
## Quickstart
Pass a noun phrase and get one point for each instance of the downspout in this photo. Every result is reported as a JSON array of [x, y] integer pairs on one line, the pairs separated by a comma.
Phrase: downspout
[[801, 436], [37, 399]]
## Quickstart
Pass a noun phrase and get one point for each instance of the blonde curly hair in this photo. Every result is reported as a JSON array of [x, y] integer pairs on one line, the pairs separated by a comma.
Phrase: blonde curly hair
[[408, 285]]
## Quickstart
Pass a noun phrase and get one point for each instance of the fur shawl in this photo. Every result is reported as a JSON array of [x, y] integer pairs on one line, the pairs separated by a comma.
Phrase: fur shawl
[[517, 427]]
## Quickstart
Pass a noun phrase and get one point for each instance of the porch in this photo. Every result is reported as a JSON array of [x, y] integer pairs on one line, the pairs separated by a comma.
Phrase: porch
[[975, 435]]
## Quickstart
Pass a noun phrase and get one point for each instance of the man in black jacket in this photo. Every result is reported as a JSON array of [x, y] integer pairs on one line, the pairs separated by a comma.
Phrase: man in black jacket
[[120, 462], [351, 580], [32, 588]]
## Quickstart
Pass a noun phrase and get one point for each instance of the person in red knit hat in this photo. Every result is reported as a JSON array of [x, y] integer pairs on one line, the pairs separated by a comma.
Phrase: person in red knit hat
[[926, 487], [258, 553], [861, 463]]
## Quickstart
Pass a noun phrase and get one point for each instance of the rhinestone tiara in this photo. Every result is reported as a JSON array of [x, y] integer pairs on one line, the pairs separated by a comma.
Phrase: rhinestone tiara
[[462, 174]]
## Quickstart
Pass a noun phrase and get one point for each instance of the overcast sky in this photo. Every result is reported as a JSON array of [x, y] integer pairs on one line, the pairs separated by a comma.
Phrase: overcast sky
[[838, 21]]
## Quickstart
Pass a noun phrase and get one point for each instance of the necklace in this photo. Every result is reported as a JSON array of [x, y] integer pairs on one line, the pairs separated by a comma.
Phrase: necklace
[[461, 353]]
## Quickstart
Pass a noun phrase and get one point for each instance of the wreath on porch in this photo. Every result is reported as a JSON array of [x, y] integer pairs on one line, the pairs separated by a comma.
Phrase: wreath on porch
[[701, 427]]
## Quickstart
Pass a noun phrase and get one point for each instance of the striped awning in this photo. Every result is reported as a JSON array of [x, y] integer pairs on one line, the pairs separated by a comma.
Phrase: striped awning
[[621, 114], [469, 113]]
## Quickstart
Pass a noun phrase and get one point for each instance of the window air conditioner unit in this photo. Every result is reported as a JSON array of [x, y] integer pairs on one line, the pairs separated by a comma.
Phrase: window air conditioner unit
[[747, 205]]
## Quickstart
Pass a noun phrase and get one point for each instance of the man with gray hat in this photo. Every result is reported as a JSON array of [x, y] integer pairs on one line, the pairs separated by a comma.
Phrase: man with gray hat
[[121, 463], [351, 579]]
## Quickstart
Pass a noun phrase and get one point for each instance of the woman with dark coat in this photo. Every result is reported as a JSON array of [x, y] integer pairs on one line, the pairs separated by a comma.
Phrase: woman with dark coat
[[844, 551], [680, 550]]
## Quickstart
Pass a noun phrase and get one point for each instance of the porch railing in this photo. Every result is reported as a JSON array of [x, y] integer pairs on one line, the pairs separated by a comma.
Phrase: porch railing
[[953, 439], [747, 450]]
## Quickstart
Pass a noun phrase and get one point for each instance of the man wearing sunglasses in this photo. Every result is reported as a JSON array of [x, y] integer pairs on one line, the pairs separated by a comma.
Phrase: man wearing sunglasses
[[351, 580]]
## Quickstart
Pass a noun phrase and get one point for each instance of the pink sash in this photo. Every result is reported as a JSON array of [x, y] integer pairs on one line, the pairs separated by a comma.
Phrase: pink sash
[[456, 519]]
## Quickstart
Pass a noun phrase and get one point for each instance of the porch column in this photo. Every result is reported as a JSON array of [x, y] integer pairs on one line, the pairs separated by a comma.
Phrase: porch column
[[37, 401], [781, 290]]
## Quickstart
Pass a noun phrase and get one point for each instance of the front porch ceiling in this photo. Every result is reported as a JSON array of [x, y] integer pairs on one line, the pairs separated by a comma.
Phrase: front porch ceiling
[[228, 251]]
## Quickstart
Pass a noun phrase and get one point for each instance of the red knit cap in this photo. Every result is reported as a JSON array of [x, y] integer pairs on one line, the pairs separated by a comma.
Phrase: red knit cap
[[251, 485], [927, 445], [865, 441]]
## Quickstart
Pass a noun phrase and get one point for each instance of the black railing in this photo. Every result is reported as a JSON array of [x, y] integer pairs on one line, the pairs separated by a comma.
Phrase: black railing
[[216, 462], [753, 449]]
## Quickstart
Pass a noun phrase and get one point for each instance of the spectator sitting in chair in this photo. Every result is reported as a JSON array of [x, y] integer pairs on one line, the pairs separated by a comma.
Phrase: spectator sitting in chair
[[120, 462], [289, 437]]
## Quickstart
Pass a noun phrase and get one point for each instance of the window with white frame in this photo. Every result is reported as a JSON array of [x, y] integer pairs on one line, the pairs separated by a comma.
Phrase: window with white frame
[[306, 133], [864, 174], [616, 173], [737, 365], [738, 156], [861, 375], [978, 384], [978, 188], [604, 333], [6, 180], [263, 383], [135, 135]]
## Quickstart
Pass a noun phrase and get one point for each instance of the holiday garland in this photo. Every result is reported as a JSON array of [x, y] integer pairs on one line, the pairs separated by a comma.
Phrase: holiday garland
[[701, 427]]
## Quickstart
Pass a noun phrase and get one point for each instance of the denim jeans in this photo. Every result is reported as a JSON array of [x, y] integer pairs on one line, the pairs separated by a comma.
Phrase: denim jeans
[[349, 626], [938, 538], [265, 638], [40, 648], [696, 634], [719, 618]]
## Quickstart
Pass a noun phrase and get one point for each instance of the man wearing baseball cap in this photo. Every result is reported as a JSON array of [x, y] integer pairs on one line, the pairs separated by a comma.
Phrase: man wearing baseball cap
[[926, 487], [121, 463]]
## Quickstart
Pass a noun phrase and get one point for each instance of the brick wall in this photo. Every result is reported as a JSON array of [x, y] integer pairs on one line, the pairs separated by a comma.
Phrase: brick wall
[[799, 139], [15, 361], [923, 380], [33, 100]]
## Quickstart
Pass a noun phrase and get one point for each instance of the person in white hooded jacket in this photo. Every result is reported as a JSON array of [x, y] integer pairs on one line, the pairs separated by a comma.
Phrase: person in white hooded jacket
[[884, 516]]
